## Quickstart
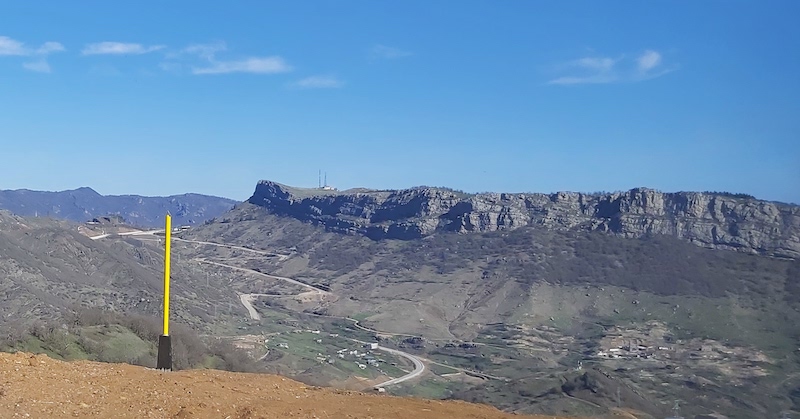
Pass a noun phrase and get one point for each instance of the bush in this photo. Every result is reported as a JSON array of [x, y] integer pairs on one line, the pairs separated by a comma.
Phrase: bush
[[188, 350]]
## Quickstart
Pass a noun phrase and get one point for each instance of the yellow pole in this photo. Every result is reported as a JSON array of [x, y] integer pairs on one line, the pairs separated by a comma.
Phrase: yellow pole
[[167, 239]]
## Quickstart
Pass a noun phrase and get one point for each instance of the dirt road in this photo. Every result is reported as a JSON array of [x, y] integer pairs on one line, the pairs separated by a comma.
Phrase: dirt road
[[39, 387]]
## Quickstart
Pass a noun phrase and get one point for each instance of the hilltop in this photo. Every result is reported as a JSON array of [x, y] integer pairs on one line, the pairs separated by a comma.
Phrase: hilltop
[[84, 204], [37, 386]]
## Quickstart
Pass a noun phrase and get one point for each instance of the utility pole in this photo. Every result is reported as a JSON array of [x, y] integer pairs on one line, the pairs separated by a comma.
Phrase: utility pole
[[676, 411]]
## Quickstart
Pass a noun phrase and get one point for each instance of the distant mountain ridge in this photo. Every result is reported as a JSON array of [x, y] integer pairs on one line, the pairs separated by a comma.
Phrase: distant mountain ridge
[[714, 220], [84, 204]]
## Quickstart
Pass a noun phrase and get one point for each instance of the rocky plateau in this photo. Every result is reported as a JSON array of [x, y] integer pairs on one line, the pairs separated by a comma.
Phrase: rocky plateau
[[708, 219]]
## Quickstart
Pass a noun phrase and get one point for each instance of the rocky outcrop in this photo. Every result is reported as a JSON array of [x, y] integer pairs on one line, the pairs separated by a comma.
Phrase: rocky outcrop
[[715, 220]]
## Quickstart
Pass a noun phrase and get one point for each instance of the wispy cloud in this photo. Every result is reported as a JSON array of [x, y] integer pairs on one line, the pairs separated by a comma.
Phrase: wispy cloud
[[594, 79], [383, 51], [319, 82], [187, 58], [597, 63], [256, 65], [49, 48], [38, 66], [9, 47], [600, 70], [205, 51], [649, 60], [118, 48]]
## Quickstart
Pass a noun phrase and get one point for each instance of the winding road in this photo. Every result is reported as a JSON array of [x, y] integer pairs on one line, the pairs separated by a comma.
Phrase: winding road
[[247, 302], [280, 278], [419, 367], [245, 249]]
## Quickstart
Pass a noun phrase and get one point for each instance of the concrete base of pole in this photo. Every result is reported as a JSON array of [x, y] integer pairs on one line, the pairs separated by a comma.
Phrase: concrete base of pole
[[164, 353]]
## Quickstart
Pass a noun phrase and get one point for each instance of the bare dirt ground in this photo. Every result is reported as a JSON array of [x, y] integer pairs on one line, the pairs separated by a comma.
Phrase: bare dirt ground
[[39, 387]]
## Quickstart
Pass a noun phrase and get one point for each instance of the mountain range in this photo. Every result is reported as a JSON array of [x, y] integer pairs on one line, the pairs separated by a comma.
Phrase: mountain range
[[84, 204], [559, 303]]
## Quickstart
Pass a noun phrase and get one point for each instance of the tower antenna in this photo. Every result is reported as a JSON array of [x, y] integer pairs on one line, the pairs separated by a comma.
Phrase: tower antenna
[[319, 182], [326, 179]]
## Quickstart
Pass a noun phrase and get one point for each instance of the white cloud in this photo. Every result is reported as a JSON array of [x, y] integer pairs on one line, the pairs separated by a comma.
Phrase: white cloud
[[49, 48], [594, 79], [599, 63], [387, 52], [256, 65], [209, 64], [205, 51], [649, 60], [118, 48], [319, 82], [40, 66], [600, 70], [587, 70], [10, 46]]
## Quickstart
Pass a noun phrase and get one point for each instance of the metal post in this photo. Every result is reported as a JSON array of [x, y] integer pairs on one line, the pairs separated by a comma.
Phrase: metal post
[[164, 341]]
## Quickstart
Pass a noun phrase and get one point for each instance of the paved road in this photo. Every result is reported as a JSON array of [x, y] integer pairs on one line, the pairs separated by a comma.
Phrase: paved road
[[419, 367], [475, 373], [247, 302], [379, 332]]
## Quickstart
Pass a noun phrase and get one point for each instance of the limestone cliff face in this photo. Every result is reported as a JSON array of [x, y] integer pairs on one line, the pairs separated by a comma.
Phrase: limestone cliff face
[[710, 220]]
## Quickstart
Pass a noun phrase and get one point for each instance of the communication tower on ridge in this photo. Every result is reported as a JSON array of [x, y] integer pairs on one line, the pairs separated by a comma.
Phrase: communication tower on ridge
[[324, 185]]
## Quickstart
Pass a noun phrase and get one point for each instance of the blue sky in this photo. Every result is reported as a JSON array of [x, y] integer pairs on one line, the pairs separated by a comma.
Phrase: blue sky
[[170, 97]]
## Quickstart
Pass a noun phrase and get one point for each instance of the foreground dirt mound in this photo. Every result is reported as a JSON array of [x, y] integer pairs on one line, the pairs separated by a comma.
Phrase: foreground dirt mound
[[39, 387]]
